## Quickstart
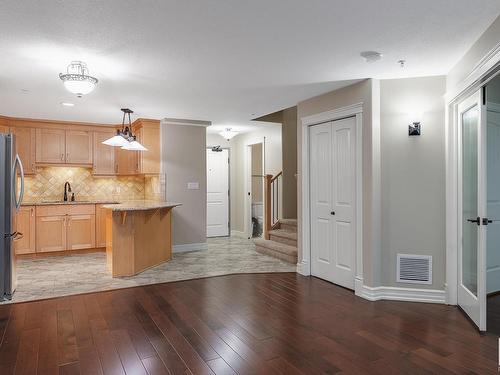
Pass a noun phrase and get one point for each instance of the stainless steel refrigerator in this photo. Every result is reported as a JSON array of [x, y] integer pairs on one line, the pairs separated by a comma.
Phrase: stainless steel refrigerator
[[11, 169]]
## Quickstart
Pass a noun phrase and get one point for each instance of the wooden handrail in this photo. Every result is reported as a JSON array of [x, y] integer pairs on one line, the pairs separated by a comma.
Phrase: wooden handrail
[[275, 177]]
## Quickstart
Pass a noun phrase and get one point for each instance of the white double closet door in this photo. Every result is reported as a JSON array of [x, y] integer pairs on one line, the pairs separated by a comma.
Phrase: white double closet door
[[333, 200]]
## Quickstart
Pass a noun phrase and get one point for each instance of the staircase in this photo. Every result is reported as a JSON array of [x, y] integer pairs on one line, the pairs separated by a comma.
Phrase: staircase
[[282, 242]]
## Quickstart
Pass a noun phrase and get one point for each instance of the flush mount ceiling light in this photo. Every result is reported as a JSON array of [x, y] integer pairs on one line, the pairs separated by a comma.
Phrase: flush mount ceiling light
[[124, 137], [371, 56], [228, 134], [77, 79], [67, 104]]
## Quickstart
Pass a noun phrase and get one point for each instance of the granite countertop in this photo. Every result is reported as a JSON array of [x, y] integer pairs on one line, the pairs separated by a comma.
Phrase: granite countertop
[[42, 202], [140, 205]]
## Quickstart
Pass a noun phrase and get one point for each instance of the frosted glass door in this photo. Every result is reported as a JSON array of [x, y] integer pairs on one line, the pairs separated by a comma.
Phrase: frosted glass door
[[471, 257]]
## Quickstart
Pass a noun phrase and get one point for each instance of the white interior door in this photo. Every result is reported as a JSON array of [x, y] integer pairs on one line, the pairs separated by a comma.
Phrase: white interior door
[[333, 200], [217, 193], [472, 202], [493, 199]]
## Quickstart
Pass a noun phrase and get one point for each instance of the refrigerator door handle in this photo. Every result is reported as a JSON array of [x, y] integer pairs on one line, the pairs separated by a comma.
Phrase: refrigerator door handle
[[18, 201]]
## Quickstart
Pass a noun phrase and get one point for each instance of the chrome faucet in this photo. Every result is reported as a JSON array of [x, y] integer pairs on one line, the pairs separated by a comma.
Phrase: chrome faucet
[[68, 186]]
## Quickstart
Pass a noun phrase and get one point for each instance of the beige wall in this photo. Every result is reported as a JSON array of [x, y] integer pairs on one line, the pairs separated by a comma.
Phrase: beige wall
[[413, 175], [183, 161], [257, 173], [289, 138], [367, 92]]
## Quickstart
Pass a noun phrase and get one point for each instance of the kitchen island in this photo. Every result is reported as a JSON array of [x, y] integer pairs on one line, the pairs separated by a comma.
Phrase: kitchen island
[[138, 236]]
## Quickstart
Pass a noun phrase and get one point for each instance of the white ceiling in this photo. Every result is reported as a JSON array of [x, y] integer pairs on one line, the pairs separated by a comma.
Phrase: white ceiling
[[226, 61]]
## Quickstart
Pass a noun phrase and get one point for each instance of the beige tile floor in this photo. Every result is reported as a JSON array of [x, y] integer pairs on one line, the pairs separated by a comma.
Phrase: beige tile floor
[[65, 275]]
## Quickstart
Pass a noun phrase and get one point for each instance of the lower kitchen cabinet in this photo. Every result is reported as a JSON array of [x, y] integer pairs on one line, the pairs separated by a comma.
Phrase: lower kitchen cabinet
[[80, 232], [65, 227], [24, 222], [50, 233]]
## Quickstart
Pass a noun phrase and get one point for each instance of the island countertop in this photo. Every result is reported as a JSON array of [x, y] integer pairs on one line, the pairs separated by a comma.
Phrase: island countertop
[[142, 205]]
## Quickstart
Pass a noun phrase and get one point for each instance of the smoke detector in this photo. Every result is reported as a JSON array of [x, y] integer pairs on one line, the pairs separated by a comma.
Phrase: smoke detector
[[371, 56]]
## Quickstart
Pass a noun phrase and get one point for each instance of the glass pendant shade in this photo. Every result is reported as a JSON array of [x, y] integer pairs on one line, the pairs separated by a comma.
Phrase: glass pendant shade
[[134, 146], [116, 141], [79, 87]]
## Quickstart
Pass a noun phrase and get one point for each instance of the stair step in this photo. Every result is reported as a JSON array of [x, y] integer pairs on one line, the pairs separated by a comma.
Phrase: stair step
[[276, 250], [283, 236], [292, 222]]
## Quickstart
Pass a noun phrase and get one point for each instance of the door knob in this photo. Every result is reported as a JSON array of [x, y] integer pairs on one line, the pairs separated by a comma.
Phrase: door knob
[[332, 213], [477, 220]]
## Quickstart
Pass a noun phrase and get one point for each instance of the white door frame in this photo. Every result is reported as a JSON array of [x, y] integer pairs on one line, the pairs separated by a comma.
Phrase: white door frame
[[248, 185], [228, 184], [304, 264], [482, 73]]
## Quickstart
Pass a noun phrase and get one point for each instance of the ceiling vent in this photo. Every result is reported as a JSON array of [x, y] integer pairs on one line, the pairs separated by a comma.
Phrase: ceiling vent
[[416, 269]]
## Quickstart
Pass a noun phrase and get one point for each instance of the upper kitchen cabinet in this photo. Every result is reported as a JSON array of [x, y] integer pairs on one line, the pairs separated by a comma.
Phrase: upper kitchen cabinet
[[78, 147], [25, 147], [104, 156], [148, 134], [127, 162], [50, 146], [59, 146], [4, 129]]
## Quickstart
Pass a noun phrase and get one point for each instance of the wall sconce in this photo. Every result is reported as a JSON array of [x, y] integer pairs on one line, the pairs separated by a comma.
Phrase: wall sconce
[[414, 129]]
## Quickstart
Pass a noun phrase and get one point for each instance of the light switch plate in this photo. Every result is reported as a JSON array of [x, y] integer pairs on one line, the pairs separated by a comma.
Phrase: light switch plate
[[193, 185]]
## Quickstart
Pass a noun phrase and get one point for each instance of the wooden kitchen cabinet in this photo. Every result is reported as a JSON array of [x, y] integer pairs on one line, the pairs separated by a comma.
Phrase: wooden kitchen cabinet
[[50, 233], [100, 226], [104, 155], [148, 134], [126, 162], [24, 222], [78, 147], [4, 129], [50, 146], [80, 232], [65, 227], [25, 147]]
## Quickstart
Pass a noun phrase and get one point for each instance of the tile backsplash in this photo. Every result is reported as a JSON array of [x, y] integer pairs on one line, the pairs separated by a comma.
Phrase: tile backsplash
[[48, 184]]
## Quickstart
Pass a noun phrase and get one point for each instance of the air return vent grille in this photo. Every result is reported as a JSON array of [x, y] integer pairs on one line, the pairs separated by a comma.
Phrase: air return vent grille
[[415, 269]]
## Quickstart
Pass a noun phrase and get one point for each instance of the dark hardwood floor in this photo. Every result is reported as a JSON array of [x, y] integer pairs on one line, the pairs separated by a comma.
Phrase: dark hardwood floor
[[245, 324], [493, 314]]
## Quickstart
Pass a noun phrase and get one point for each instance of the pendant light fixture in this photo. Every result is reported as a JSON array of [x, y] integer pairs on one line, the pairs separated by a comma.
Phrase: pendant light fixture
[[228, 134], [124, 137], [77, 79]]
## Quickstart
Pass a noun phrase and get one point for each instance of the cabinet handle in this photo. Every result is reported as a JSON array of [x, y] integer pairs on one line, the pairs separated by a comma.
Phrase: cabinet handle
[[67, 156], [32, 212], [62, 157]]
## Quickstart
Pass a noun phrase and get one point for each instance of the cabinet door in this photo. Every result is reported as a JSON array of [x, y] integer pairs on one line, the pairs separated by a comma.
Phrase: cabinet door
[[50, 146], [4, 129], [100, 226], [127, 162], [104, 156], [78, 147], [24, 222], [81, 232], [50, 233], [25, 147], [149, 161]]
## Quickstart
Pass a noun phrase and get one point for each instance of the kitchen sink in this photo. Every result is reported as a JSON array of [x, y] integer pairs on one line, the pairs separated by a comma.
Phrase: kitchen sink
[[65, 202]]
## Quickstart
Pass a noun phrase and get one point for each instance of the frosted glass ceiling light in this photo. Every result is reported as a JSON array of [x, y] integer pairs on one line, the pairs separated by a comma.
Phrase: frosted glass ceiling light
[[228, 134], [124, 137], [77, 79]]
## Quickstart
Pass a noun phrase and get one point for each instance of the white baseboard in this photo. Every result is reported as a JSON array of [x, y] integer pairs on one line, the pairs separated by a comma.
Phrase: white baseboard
[[303, 268], [190, 247], [238, 234], [402, 294]]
